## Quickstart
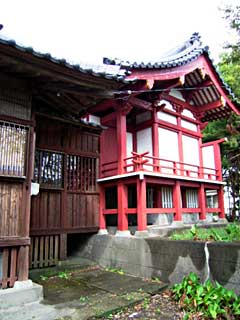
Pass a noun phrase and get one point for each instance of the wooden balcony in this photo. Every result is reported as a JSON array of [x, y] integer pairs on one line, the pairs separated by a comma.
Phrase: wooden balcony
[[164, 167]]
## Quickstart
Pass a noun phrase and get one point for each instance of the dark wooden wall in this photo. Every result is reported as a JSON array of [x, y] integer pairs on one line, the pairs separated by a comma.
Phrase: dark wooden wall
[[16, 154], [66, 167]]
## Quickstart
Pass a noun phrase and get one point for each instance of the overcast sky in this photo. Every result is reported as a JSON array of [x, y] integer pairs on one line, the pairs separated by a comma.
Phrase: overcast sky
[[129, 29]]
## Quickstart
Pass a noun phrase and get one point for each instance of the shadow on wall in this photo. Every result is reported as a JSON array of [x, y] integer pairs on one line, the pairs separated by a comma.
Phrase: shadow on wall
[[172, 260], [224, 262]]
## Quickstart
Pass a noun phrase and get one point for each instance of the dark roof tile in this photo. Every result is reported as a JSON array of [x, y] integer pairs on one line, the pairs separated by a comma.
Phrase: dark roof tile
[[117, 75]]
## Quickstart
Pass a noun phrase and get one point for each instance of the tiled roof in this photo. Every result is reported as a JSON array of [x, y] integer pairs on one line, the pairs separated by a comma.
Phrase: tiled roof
[[181, 55], [105, 71]]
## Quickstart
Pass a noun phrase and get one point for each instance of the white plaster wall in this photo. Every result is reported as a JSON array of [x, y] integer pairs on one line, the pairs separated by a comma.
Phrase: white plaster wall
[[144, 143], [168, 148], [208, 160], [189, 125], [190, 154], [129, 149], [166, 117], [177, 94], [188, 114]]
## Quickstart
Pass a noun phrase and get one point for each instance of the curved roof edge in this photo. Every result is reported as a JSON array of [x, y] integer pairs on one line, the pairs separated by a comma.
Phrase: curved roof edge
[[178, 56], [110, 73]]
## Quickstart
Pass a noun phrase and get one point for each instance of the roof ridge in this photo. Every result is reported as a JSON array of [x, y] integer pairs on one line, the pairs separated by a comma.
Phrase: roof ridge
[[191, 48]]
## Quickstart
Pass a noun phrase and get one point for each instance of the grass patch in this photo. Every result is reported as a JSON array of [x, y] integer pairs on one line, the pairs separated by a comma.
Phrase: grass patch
[[229, 233], [206, 301]]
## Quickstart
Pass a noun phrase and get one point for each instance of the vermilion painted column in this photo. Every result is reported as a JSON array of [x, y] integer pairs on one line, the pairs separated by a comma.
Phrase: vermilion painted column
[[141, 205], [218, 161], [122, 205], [202, 202], [121, 140], [155, 140], [200, 158], [180, 146], [177, 201], [102, 220], [221, 203]]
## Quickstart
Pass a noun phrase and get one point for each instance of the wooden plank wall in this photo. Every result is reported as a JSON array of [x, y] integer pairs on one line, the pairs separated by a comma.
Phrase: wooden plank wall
[[70, 205], [10, 208]]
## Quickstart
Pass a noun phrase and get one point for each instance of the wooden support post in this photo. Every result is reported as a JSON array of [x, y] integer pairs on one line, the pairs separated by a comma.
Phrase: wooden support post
[[202, 202], [155, 140], [177, 201], [102, 219], [200, 171], [218, 161], [63, 246], [23, 262], [121, 140], [122, 205], [141, 205], [180, 146], [221, 202]]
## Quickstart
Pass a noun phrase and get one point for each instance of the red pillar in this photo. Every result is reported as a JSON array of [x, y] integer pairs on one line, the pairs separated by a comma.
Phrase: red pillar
[[141, 205], [177, 201], [102, 220], [221, 203], [155, 140], [122, 205], [200, 172], [180, 147], [202, 202], [218, 161], [121, 140]]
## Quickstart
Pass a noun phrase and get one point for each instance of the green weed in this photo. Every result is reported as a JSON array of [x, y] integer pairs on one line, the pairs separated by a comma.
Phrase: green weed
[[228, 234], [210, 300]]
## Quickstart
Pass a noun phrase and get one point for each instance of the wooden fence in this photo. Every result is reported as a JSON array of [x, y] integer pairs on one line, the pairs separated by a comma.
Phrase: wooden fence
[[44, 251]]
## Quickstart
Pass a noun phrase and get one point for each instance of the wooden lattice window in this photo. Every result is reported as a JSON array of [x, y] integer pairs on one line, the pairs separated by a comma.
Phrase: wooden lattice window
[[48, 169], [81, 173], [191, 198], [167, 197], [13, 146]]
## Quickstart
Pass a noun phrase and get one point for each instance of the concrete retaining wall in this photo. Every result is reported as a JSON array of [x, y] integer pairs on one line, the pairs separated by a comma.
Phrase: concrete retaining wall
[[169, 260]]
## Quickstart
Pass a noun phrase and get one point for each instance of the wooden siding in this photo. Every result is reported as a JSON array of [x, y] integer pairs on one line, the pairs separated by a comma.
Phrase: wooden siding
[[46, 210], [10, 209], [83, 210], [66, 167]]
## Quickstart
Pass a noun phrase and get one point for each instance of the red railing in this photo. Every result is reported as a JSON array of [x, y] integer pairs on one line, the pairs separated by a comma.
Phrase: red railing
[[145, 162]]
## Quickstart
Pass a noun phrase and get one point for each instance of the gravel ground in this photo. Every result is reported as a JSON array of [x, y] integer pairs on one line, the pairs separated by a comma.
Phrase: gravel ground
[[158, 307]]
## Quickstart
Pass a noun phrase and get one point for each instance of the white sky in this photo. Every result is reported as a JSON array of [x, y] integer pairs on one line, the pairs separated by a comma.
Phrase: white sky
[[128, 29]]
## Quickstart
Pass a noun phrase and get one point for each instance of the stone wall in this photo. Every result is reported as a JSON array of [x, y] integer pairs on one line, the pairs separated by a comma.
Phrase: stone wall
[[167, 259]]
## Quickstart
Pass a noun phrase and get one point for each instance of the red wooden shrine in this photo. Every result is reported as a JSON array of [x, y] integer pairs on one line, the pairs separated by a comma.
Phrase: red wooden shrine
[[118, 146]]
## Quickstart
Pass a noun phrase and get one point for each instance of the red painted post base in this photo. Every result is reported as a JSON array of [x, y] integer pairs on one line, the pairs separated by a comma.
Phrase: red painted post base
[[122, 205], [177, 201], [141, 205], [221, 203], [102, 220], [202, 202]]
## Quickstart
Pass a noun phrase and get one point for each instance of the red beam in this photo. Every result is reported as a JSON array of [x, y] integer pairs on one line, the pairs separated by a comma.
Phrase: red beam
[[140, 103], [166, 74]]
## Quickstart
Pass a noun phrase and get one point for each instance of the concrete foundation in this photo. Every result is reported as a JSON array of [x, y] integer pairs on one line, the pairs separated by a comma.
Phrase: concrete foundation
[[160, 219], [167, 259], [190, 218], [24, 292]]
